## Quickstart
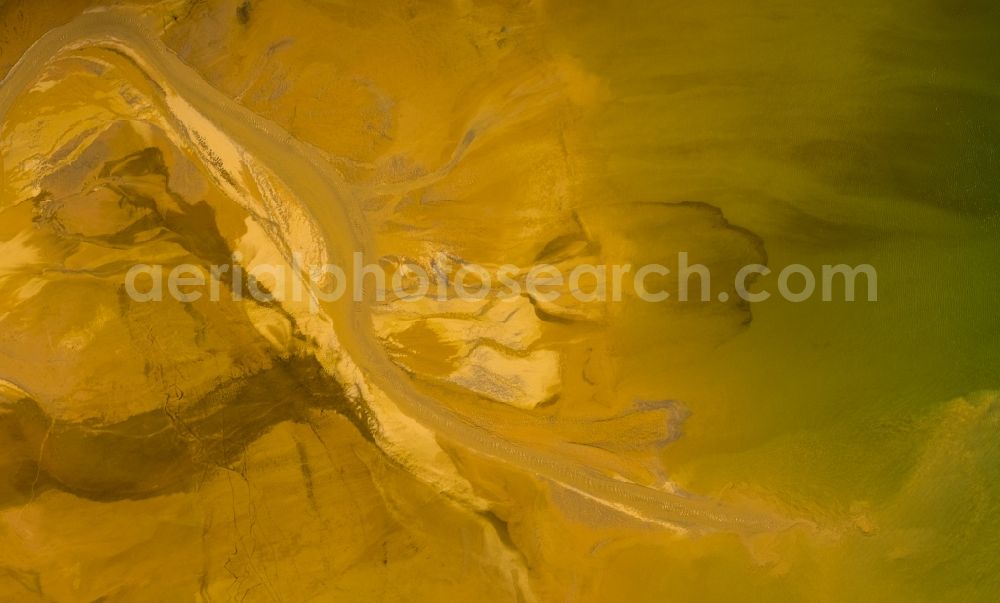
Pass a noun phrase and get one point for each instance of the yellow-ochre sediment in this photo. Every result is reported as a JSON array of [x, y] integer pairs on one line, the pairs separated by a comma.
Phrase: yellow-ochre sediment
[[627, 445]]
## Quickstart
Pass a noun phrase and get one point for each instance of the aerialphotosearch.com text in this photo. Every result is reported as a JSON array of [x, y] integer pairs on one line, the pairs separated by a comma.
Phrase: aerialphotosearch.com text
[[683, 280]]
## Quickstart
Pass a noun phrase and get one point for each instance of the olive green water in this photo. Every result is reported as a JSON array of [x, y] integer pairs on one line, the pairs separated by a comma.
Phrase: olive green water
[[846, 132]]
